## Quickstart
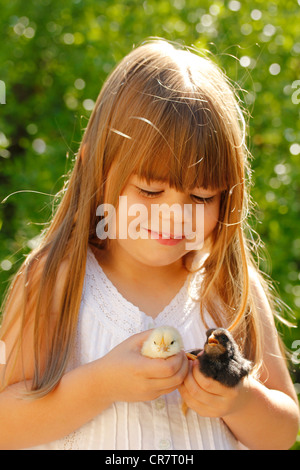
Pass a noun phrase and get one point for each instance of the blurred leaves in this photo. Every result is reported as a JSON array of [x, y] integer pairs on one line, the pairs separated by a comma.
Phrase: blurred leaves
[[54, 58]]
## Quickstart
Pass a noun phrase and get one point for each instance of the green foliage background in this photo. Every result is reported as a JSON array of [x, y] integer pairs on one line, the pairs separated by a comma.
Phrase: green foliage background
[[54, 58]]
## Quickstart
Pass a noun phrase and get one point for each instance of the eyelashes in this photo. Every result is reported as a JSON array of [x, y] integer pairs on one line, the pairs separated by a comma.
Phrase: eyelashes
[[150, 194], [196, 199], [202, 200]]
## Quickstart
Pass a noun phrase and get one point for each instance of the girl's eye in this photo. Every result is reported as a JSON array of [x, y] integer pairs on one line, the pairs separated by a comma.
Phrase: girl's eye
[[146, 193], [202, 200], [152, 194]]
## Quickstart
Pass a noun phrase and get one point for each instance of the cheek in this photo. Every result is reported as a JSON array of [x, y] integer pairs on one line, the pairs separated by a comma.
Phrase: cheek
[[131, 215], [211, 217]]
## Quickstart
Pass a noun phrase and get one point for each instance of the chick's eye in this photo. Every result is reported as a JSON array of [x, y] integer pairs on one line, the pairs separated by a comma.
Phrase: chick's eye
[[172, 342]]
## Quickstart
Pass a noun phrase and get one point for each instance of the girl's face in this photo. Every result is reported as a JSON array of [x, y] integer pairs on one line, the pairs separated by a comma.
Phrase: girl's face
[[157, 225]]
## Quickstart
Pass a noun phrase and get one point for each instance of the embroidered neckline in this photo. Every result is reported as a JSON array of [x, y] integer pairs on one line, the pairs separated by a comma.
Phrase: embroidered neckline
[[164, 313], [108, 306]]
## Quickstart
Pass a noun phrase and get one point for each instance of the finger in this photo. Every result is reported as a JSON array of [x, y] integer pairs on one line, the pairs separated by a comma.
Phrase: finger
[[171, 382], [162, 387], [198, 400], [202, 401], [191, 401], [139, 338], [189, 387], [207, 383], [166, 368]]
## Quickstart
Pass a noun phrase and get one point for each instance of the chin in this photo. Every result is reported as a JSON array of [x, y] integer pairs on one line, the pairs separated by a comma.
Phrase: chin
[[151, 253], [160, 258]]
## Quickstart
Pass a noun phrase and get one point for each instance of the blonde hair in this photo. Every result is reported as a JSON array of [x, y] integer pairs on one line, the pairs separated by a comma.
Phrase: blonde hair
[[163, 113]]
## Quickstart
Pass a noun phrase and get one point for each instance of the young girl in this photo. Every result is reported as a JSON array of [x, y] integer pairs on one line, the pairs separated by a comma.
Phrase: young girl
[[166, 129]]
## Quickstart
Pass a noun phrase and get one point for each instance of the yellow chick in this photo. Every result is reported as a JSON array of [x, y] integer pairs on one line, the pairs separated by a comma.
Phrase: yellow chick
[[163, 342]]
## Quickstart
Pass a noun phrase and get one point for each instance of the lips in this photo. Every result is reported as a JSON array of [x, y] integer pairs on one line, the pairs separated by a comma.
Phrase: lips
[[166, 238]]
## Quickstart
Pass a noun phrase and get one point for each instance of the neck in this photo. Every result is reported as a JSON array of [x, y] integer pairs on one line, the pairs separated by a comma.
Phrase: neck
[[121, 263]]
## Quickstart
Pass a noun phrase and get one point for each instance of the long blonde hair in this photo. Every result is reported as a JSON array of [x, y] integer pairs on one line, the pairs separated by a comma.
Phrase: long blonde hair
[[163, 113]]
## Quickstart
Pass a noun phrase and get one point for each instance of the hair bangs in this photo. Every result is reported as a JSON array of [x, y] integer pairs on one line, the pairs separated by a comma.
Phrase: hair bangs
[[173, 124], [186, 147]]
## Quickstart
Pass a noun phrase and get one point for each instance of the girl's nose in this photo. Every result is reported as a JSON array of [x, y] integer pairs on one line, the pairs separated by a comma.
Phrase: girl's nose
[[179, 208], [173, 212]]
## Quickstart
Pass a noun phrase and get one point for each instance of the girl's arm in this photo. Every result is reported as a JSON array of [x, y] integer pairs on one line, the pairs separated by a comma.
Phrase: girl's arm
[[27, 423], [262, 414], [269, 418], [121, 375]]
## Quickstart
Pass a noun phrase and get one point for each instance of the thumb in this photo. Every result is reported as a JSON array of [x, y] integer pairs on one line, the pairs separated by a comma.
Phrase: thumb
[[140, 338]]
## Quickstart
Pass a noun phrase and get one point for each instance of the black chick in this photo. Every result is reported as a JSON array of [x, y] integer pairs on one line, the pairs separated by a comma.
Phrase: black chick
[[221, 359]]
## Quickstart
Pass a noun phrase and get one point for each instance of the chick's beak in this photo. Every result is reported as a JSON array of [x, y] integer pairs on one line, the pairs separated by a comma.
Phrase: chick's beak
[[163, 346], [212, 340]]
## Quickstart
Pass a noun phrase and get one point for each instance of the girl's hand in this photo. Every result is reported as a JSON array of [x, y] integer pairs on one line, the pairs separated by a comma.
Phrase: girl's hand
[[130, 377], [208, 397]]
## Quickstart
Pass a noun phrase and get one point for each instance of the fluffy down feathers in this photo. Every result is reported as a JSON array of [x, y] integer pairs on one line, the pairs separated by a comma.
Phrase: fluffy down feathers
[[221, 359], [162, 342]]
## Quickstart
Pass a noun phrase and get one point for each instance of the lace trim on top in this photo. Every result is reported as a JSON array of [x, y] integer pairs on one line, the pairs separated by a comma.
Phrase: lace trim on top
[[118, 313]]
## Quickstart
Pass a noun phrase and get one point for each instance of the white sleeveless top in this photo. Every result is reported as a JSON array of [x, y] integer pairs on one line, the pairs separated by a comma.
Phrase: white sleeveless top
[[106, 318]]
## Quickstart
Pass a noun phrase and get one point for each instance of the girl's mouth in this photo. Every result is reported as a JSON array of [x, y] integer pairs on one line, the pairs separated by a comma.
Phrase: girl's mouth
[[166, 238]]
